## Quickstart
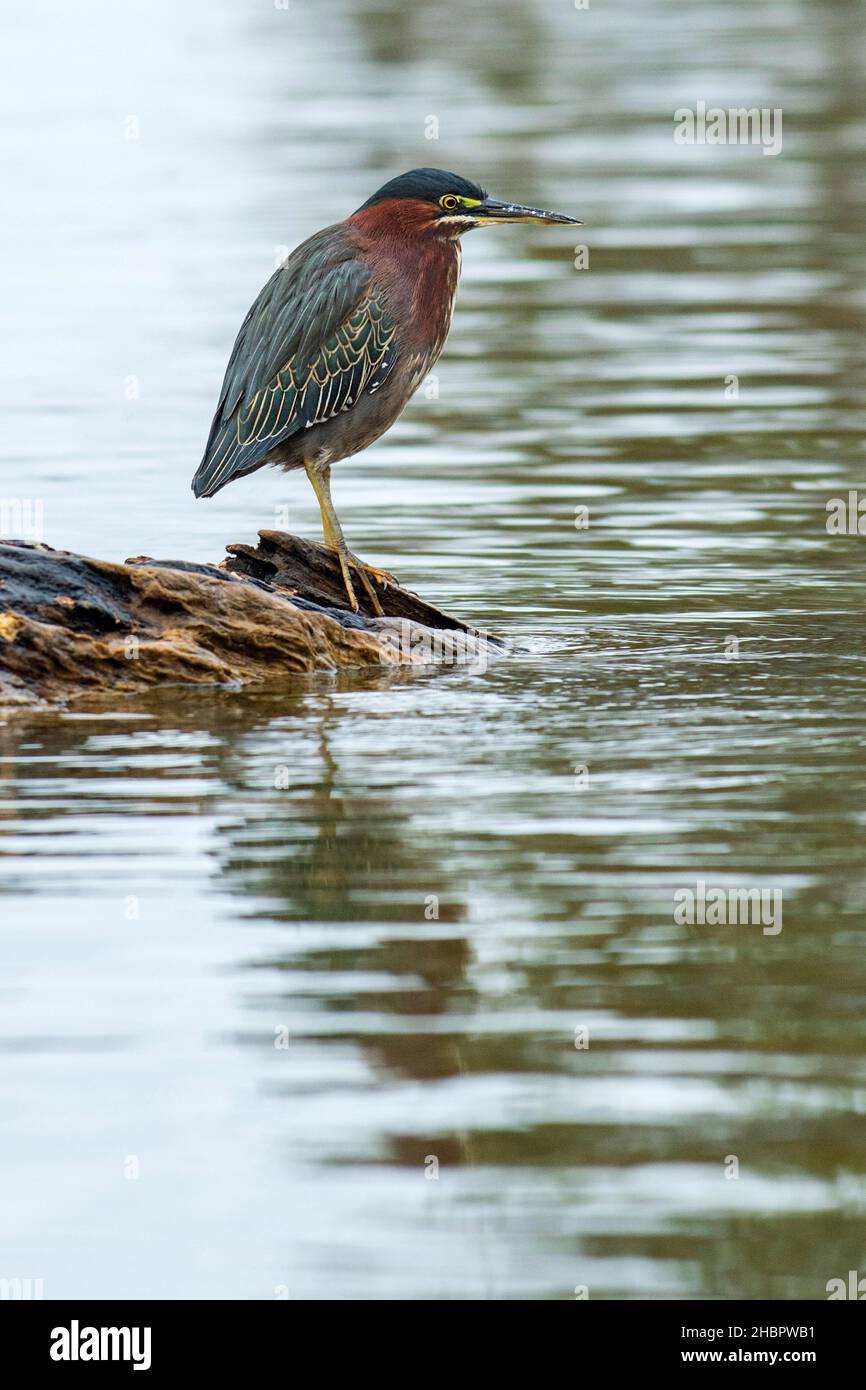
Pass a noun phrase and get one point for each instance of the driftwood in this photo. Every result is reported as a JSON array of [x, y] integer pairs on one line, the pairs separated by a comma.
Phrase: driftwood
[[71, 626]]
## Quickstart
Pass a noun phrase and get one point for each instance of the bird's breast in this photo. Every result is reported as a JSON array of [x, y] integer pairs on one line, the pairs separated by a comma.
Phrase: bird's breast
[[420, 285], [434, 293]]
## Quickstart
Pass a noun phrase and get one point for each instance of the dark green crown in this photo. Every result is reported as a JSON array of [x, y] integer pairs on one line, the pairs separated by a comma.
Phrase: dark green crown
[[429, 185]]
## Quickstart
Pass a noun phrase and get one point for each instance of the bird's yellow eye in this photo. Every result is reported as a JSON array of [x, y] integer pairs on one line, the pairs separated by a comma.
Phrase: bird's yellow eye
[[449, 202]]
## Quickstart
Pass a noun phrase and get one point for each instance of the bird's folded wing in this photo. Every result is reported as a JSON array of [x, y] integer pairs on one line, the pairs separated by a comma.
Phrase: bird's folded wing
[[315, 340]]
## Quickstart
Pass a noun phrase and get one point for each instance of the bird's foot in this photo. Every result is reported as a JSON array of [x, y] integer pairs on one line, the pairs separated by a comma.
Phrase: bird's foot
[[380, 576], [347, 559]]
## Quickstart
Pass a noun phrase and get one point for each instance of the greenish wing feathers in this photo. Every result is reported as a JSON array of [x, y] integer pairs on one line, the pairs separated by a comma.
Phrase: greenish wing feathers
[[310, 346]]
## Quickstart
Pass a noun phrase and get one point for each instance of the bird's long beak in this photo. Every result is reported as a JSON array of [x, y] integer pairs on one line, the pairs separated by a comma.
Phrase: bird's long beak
[[491, 210]]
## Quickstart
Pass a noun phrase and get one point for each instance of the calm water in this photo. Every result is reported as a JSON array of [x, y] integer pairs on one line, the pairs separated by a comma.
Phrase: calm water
[[465, 868]]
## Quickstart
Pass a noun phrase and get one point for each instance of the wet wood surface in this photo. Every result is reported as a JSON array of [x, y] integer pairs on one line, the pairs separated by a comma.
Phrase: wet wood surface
[[71, 626]]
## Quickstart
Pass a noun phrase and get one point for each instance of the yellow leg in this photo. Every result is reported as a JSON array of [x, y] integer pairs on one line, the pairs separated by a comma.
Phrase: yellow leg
[[332, 533]]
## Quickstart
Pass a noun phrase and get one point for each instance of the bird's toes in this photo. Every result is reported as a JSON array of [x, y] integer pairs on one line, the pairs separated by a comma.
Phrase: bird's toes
[[380, 576]]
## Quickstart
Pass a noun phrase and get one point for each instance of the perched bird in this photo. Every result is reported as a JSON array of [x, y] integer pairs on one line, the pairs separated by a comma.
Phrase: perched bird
[[342, 335]]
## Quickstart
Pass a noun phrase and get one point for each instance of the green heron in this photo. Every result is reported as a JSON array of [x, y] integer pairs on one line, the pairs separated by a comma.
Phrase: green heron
[[343, 334]]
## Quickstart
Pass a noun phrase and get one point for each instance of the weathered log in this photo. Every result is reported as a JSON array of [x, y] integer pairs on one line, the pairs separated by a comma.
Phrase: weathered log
[[313, 573], [72, 626]]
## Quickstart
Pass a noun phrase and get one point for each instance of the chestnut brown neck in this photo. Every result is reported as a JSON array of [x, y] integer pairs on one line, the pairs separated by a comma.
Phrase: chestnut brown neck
[[415, 260], [409, 220]]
